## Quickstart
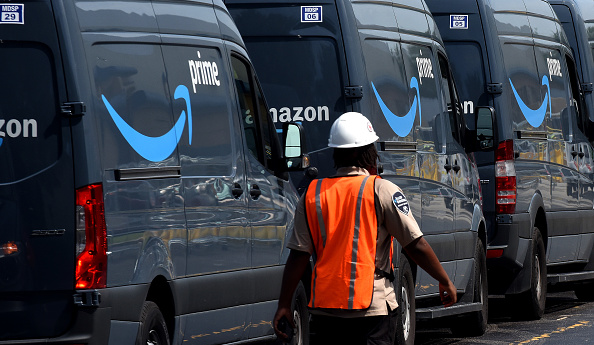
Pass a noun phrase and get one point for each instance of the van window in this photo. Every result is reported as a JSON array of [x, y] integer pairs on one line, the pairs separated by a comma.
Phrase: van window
[[30, 130], [549, 64], [293, 93], [201, 71], [576, 98], [419, 63], [450, 97], [391, 92], [466, 61], [526, 81], [257, 129], [135, 91]]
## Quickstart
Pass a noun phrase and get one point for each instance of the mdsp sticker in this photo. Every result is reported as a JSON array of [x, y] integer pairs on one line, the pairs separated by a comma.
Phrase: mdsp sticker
[[311, 14], [401, 203], [459, 21], [12, 14]]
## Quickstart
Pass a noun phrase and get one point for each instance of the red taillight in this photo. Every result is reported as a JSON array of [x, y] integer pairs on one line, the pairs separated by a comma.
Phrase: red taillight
[[91, 261], [505, 178], [494, 253]]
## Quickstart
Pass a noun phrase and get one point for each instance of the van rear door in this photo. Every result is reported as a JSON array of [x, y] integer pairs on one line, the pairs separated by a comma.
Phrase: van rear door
[[36, 178]]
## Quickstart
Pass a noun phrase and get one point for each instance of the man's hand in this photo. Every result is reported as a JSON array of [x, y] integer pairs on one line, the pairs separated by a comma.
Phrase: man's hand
[[280, 313], [448, 294]]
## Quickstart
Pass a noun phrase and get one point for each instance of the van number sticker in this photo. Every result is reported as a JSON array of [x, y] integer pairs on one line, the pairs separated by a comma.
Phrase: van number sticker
[[12, 14], [311, 14], [459, 21]]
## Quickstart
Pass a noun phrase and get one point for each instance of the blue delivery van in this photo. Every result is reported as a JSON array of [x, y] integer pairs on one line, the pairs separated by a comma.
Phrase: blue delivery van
[[515, 65], [385, 59], [144, 196]]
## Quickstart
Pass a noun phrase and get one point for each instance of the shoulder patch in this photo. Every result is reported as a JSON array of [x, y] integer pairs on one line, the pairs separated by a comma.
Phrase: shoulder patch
[[401, 203]]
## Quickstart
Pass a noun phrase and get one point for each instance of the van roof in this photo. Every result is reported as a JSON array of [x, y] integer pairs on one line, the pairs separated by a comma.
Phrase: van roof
[[207, 18], [428, 31]]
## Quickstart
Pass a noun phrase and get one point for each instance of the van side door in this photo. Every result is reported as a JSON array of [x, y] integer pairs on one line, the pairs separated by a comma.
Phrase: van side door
[[267, 191], [563, 225], [464, 177], [437, 197], [212, 169]]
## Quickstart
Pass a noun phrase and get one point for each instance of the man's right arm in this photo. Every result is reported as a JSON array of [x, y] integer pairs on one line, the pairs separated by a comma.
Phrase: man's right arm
[[423, 255]]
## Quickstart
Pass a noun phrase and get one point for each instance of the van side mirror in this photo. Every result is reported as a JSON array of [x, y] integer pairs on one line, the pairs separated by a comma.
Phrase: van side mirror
[[294, 147], [484, 127]]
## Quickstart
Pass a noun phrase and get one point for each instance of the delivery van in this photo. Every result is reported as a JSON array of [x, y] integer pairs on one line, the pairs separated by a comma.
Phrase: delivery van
[[384, 59], [513, 62], [144, 197]]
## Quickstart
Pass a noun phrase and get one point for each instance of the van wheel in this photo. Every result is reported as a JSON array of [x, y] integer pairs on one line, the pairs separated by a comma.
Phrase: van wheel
[[531, 304], [153, 329], [300, 316], [405, 293], [585, 291], [475, 323]]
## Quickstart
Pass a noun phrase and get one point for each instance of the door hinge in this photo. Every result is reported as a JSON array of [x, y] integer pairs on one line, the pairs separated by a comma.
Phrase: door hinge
[[495, 88], [587, 87], [353, 91], [73, 109], [87, 299]]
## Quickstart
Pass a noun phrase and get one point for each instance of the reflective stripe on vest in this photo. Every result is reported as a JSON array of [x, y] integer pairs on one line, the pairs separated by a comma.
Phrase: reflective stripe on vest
[[343, 224]]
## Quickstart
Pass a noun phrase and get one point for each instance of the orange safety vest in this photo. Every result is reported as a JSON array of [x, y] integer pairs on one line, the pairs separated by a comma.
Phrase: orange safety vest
[[343, 225]]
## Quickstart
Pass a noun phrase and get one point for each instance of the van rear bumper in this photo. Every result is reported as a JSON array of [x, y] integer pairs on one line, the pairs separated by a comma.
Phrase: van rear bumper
[[91, 326], [507, 273]]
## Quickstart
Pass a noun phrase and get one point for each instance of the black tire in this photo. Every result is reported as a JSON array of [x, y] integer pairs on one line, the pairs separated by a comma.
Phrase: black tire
[[475, 324], [153, 329], [585, 291], [405, 293], [300, 316], [531, 304]]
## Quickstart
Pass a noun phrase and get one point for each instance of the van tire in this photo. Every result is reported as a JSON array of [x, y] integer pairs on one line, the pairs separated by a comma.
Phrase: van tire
[[531, 304], [300, 316], [405, 293], [475, 324], [153, 329]]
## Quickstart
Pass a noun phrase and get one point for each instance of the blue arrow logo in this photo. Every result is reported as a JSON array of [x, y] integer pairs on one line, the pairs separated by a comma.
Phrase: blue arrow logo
[[534, 117], [155, 149], [401, 125]]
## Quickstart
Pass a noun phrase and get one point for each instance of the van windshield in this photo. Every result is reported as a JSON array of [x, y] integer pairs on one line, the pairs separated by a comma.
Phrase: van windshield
[[309, 91]]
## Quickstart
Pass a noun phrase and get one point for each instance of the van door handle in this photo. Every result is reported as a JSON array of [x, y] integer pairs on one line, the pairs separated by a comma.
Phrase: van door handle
[[456, 168], [574, 153], [237, 191], [581, 154], [447, 167], [255, 192]]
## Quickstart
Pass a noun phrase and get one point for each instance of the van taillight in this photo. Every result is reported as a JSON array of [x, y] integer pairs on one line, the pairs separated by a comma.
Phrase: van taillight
[[91, 238], [505, 178]]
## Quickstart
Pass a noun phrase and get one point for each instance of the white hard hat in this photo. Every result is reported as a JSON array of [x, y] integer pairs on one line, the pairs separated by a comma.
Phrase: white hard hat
[[351, 130]]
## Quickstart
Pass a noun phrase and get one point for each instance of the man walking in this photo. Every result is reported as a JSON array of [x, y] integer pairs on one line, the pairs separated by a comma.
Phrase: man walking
[[347, 223]]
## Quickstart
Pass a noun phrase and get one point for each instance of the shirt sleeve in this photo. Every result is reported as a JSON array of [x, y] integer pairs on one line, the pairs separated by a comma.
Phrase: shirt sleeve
[[300, 238], [396, 213]]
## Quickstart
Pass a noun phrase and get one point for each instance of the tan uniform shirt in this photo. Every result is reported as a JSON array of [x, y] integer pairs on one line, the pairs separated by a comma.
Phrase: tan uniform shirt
[[394, 218]]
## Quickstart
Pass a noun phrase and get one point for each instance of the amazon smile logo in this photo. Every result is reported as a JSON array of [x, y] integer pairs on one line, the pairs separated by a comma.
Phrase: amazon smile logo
[[155, 149], [401, 125], [534, 117]]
